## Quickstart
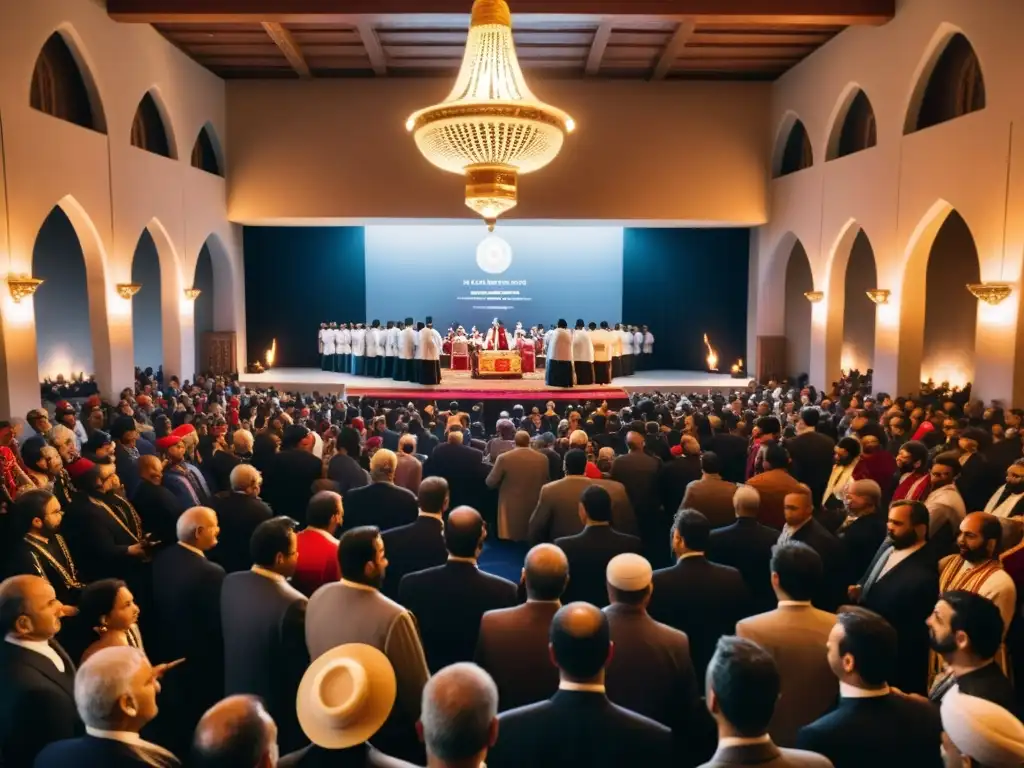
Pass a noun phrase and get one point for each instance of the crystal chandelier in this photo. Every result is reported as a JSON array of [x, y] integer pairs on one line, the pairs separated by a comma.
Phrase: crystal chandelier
[[491, 128]]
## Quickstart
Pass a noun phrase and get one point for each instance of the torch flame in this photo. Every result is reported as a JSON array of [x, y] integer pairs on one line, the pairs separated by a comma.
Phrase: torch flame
[[712, 357], [272, 353], [738, 366]]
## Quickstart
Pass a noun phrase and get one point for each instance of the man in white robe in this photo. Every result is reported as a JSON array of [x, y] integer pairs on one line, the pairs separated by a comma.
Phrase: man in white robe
[[329, 336], [429, 354], [559, 356], [320, 338], [359, 350], [582, 355], [374, 353], [405, 366], [343, 348], [601, 338]]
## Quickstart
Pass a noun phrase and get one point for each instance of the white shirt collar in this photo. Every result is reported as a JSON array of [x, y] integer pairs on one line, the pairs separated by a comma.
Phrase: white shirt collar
[[454, 559], [41, 647], [267, 574], [357, 585], [566, 685], [848, 691], [190, 548], [324, 533], [544, 602], [794, 603], [435, 515], [125, 737], [685, 555], [740, 741]]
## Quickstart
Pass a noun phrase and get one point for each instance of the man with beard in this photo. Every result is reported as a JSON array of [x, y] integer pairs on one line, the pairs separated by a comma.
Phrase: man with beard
[[900, 585], [876, 463], [1006, 502], [36, 517], [42, 463], [911, 462], [946, 508], [966, 630], [846, 470], [863, 530]]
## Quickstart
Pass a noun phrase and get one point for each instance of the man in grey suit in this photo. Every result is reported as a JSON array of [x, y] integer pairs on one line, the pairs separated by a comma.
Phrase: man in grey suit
[[353, 610], [795, 634], [638, 472], [558, 509], [519, 475], [711, 495], [742, 687]]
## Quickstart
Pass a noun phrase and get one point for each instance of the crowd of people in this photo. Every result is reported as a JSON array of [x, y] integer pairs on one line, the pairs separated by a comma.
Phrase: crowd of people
[[211, 575]]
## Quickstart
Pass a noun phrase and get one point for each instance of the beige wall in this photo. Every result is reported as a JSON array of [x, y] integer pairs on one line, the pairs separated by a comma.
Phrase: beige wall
[[643, 151], [109, 189]]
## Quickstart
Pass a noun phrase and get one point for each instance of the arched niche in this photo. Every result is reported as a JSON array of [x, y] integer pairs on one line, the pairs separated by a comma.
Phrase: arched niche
[[951, 85], [858, 350], [205, 304], [151, 128], [799, 280], [206, 152], [147, 305], [854, 129], [793, 152], [62, 85]]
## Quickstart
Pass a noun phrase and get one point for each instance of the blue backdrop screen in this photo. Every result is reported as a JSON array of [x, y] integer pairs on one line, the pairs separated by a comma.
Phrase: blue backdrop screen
[[463, 274]]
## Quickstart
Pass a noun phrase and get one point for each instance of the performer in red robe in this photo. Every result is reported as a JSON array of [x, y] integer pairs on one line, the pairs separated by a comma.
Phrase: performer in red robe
[[496, 337], [527, 354]]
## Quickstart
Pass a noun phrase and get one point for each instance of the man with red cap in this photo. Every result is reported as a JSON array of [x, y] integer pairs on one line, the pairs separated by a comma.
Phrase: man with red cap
[[179, 477]]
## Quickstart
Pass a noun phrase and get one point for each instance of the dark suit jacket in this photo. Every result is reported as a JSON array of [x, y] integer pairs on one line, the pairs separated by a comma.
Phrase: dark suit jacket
[[513, 648], [409, 548], [288, 482], [702, 599], [385, 505], [746, 545], [265, 654], [448, 602], [861, 540], [92, 752], [360, 756], [238, 514], [346, 472], [905, 597], [639, 473], [732, 451], [127, 469], [37, 704], [218, 471], [159, 511], [885, 732], [580, 729], [765, 756], [812, 461], [832, 592], [464, 469], [676, 474], [589, 553], [555, 469], [977, 482]]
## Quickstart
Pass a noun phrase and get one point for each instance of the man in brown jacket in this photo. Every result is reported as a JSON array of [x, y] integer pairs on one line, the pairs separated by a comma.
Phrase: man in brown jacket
[[773, 485], [711, 495], [518, 475]]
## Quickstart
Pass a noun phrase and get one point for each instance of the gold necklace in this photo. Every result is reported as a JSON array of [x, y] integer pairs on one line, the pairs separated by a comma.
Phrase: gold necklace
[[137, 535], [69, 574]]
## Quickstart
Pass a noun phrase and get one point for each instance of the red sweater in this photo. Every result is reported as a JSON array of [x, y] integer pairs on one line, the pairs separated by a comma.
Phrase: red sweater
[[318, 561]]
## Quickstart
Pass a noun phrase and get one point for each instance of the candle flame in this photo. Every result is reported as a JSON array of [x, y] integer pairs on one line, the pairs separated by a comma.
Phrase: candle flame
[[738, 366], [272, 353], [712, 357]]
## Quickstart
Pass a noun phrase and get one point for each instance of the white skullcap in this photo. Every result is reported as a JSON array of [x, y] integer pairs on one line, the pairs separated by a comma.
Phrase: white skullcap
[[629, 572], [982, 730]]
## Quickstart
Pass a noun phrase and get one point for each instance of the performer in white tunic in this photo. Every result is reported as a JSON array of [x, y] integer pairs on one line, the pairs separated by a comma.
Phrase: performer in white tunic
[[405, 368], [430, 355], [358, 350], [602, 341], [329, 349], [559, 357], [372, 344], [390, 349], [343, 348], [320, 338], [648, 344], [616, 345], [638, 347], [626, 336], [582, 355]]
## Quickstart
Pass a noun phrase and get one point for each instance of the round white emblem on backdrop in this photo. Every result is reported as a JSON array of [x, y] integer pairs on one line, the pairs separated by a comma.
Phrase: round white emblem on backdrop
[[493, 255]]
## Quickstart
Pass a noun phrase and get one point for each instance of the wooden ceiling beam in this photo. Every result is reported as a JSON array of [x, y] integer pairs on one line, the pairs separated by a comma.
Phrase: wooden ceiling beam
[[284, 40], [374, 49], [675, 46], [839, 12], [601, 38]]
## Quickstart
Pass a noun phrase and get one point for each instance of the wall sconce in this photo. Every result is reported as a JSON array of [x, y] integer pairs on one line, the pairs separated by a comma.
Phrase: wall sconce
[[879, 295], [192, 293], [21, 286], [990, 293], [814, 296], [127, 290]]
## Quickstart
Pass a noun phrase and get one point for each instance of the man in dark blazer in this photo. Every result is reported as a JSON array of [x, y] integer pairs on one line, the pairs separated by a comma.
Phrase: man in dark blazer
[[513, 642], [449, 600], [186, 597], [37, 678], [700, 598], [810, 453], [802, 526], [590, 551], [639, 472], [677, 473], [579, 725], [863, 531], [710, 494], [344, 468], [263, 621], [290, 474], [157, 507], [746, 545], [730, 448], [901, 585], [462, 466], [420, 544], [239, 513], [381, 503], [124, 431], [742, 687], [873, 725]]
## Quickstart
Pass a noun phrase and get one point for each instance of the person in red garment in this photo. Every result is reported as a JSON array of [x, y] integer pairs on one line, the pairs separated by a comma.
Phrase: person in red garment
[[497, 337]]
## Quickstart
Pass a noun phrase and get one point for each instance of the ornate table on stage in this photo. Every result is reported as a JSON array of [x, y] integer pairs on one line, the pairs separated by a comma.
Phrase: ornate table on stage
[[497, 364]]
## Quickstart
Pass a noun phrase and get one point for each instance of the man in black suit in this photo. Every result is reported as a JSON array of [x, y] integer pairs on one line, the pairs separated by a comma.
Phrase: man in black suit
[[746, 545], [37, 678], [344, 468], [125, 433], [420, 544], [651, 672], [678, 472], [290, 474], [695, 596], [863, 530], [901, 585], [158, 508], [743, 684], [463, 467], [638, 472], [449, 600], [590, 551], [802, 526], [810, 454], [186, 596], [239, 513], [381, 503], [579, 725], [263, 620], [513, 642], [873, 725], [730, 448]]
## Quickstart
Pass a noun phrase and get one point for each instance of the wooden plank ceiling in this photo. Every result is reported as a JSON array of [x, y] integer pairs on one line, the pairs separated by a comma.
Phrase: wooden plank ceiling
[[631, 39]]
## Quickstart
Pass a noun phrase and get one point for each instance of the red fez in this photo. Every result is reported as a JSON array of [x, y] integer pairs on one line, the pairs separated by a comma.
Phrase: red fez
[[163, 443], [94, 401], [183, 430], [374, 442], [143, 400], [79, 467], [357, 423]]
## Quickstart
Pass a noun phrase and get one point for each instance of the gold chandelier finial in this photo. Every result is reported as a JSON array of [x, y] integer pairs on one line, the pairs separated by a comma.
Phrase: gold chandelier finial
[[879, 295], [127, 290], [21, 286]]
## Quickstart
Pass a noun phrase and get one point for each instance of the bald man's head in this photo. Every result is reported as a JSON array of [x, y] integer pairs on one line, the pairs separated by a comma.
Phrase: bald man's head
[[634, 441], [464, 532], [197, 526], [459, 713], [237, 732], [151, 469], [546, 572], [580, 641]]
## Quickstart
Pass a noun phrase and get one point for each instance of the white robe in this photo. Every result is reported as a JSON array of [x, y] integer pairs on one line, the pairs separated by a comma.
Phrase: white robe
[[391, 342], [1002, 510], [638, 343], [407, 343], [372, 341], [602, 343], [359, 342], [322, 340], [648, 343], [627, 342], [344, 341], [582, 347], [559, 345], [329, 337], [429, 345]]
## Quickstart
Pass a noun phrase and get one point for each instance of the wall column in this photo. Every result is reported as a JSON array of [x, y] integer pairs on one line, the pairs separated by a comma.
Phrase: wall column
[[19, 380], [994, 346]]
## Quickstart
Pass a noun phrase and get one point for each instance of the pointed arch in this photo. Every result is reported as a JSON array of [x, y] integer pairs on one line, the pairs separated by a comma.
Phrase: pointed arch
[[156, 322], [151, 127], [206, 152], [793, 150], [63, 85], [850, 319], [950, 83], [799, 278], [853, 125]]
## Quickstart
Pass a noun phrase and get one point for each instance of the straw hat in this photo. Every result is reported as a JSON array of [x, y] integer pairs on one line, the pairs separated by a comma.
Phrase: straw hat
[[346, 695]]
